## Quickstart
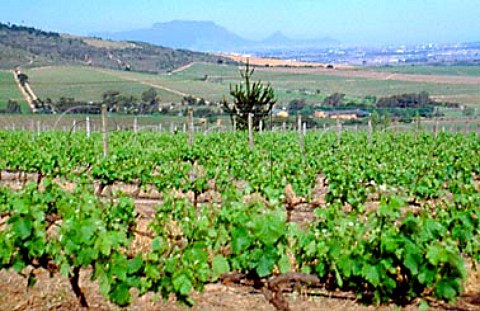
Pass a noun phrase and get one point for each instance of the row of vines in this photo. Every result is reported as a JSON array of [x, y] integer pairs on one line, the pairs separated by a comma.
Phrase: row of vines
[[394, 217]]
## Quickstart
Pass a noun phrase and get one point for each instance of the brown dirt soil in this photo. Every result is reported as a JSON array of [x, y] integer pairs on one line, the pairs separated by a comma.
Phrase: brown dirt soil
[[55, 294], [272, 62]]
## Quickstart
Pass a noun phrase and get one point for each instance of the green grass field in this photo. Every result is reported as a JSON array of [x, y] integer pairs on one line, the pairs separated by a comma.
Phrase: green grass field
[[86, 83], [9, 91], [290, 85]]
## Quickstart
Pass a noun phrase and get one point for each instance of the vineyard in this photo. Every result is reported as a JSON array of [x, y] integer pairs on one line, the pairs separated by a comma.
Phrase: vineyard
[[388, 218]]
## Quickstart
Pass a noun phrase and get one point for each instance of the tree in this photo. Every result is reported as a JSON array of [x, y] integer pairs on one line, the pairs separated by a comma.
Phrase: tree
[[149, 95], [336, 99], [469, 111], [256, 98], [296, 105], [110, 98], [22, 78], [13, 106]]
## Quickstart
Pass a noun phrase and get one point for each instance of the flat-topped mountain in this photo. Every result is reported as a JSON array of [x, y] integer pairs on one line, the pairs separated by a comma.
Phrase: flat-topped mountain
[[192, 35], [210, 37]]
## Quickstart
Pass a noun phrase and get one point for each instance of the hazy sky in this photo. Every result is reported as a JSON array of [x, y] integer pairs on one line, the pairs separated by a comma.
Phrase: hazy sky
[[349, 21]]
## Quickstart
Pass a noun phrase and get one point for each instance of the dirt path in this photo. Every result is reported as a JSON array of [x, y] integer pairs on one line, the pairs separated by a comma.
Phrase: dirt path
[[155, 85], [180, 69], [26, 90]]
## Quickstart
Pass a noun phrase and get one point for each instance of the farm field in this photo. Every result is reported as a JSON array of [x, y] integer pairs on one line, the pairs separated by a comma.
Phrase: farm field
[[211, 81], [9, 90], [84, 83], [391, 218], [473, 71]]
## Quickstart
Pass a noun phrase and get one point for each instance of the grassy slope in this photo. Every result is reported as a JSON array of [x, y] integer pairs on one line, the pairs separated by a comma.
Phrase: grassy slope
[[9, 90], [30, 47], [85, 83], [89, 84]]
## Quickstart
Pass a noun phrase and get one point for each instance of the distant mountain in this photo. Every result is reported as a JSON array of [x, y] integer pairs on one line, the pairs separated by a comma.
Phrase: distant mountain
[[27, 46], [279, 40], [191, 35], [209, 37], [276, 38]]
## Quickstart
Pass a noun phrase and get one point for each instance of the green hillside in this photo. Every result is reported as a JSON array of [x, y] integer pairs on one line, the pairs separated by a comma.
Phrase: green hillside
[[30, 47]]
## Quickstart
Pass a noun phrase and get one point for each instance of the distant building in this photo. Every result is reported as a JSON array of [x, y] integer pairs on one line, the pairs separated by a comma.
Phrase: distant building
[[351, 114]]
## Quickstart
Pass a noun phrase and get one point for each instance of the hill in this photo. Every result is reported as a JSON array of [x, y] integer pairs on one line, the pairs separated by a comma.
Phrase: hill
[[209, 37], [26, 46]]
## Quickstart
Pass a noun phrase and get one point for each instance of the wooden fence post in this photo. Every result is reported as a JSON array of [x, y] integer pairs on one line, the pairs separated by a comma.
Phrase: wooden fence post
[[299, 131], [370, 130], [339, 131], [104, 130], [417, 127], [250, 130], [87, 125], [191, 129], [299, 124]]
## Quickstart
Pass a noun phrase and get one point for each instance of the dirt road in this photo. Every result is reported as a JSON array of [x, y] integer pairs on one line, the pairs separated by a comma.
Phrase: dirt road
[[155, 85]]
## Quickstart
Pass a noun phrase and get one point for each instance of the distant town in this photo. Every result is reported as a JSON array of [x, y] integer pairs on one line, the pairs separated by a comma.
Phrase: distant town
[[426, 54]]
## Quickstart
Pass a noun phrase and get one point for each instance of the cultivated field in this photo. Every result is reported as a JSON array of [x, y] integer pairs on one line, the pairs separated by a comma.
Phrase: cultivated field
[[85, 83], [211, 81], [9, 90], [473, 71]]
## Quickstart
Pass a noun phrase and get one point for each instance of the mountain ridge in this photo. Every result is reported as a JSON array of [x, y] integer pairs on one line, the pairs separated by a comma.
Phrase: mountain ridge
[[207, 36]]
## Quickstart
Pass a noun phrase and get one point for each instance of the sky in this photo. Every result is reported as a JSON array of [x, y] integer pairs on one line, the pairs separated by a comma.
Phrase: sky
[[349, 21]]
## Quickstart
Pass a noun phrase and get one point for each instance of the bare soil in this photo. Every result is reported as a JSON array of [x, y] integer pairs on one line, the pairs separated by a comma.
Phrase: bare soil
[[55, 294], [271, 62]]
